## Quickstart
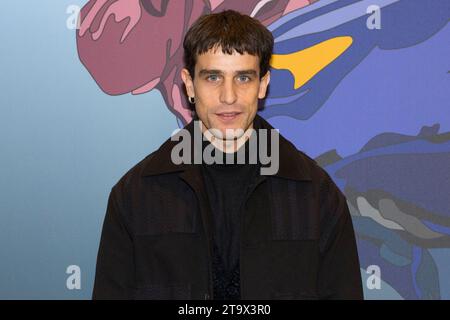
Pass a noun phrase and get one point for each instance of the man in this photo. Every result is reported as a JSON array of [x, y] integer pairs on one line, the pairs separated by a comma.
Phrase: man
[[219, 230]]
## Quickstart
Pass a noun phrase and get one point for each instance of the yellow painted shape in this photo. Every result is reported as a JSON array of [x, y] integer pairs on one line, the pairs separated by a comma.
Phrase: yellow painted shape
[[305, 64]]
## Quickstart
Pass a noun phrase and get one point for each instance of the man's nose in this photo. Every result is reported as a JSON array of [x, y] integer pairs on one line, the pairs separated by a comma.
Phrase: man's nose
[[228, 93]]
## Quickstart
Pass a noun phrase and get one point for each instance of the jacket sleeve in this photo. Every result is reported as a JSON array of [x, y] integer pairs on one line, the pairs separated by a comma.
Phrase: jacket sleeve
[[339, 272], [114, 275]]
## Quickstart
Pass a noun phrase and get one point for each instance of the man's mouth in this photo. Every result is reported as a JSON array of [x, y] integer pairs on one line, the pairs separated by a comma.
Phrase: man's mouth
[[228, 116]]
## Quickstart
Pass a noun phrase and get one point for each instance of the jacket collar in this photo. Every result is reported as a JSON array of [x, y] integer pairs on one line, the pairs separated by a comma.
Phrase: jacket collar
[[292, 163]]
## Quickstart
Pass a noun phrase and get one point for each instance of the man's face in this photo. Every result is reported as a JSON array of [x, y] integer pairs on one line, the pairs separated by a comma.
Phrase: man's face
[[226, 89]]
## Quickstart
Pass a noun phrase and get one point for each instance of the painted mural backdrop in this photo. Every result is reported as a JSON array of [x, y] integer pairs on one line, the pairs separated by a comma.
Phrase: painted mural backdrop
[[361, 86]]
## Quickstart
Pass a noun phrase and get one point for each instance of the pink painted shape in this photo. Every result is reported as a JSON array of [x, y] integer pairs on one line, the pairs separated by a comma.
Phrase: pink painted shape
[[119, 66], [178, 105], [146, 87], [294, 5], [215, 3], [121, 10], [87, 21]]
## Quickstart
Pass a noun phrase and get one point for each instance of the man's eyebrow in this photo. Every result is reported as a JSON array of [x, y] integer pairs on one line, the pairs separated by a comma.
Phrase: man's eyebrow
[[247, 72], [203, 72]]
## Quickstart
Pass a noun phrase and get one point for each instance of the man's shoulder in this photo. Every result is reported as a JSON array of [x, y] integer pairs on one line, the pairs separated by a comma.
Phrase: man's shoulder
[[317, 172], [332, 202], [326, 188], [310, 167], [133, 175]]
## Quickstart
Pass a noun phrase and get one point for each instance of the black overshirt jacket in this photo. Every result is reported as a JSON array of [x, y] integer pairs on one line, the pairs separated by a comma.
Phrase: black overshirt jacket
[[296, 234]]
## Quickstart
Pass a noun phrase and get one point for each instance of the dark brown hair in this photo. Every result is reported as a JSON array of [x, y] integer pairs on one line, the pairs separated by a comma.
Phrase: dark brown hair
[[231, 31]]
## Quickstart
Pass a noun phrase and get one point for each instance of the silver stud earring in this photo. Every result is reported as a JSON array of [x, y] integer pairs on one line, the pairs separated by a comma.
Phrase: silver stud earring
[[191, 101]]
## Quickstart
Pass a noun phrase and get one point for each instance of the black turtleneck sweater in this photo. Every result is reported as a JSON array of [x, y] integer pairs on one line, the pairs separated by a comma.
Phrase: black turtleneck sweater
[[227, 187]]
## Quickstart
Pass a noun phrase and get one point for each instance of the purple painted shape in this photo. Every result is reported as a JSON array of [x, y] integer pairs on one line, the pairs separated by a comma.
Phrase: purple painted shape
[[389, 91]]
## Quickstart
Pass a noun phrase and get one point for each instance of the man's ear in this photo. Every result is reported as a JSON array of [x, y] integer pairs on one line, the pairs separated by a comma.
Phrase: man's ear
[[188, 82], [263, 84]]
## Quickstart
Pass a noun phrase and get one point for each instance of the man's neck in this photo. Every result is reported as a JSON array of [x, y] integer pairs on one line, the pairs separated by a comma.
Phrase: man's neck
[[226, 145]]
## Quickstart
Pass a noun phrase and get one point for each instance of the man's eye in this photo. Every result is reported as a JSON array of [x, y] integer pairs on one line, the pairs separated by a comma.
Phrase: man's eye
[[244, 78], [212, 77]]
